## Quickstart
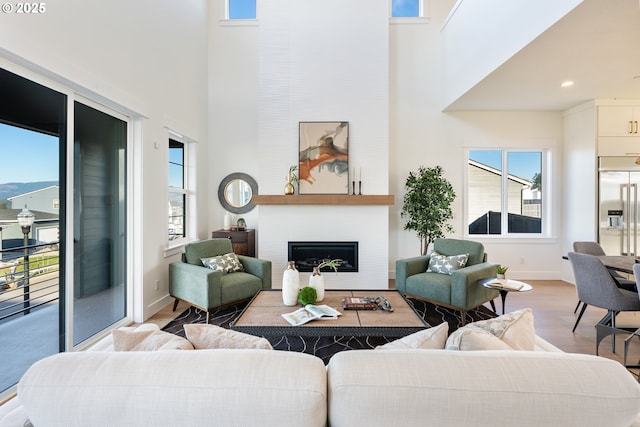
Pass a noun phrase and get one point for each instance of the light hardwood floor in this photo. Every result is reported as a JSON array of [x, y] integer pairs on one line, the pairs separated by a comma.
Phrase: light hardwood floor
[[552, 302]]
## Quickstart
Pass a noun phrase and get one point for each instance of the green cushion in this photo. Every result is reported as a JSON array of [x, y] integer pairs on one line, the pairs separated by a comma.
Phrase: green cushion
[[446, 264], [194, 252], [451, 247], [434, 286], [227, 263]]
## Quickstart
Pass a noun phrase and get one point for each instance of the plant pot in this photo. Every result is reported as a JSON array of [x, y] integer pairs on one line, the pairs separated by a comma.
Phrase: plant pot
[[500, 276]]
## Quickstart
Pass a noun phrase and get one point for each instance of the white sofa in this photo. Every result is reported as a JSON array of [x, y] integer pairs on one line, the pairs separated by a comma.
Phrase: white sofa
[[359, 387]]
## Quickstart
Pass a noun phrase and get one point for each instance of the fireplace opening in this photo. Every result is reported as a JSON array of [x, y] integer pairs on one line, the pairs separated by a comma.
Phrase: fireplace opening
[[307, 255]]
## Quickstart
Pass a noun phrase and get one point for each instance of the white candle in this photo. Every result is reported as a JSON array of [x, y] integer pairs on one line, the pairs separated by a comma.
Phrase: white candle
[[360, 175]]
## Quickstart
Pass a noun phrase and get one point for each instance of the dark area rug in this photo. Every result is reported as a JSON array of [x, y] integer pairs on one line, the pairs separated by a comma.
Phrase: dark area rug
[[325, 347]]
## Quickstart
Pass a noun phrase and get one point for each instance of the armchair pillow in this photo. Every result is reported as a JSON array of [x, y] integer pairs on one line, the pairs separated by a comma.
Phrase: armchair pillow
[[446, 264], [227, 263]]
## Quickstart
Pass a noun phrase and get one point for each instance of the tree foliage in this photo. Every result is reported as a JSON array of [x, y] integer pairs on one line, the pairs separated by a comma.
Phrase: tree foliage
[[536, 182], [427, 205]]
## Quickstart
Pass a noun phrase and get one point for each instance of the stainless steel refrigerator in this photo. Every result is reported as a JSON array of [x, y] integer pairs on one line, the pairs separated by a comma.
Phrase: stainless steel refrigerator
[[619, 180]]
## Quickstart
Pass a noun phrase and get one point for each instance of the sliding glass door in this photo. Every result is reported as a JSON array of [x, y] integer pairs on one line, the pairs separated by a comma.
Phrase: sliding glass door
[[81, 219], [99, 219]]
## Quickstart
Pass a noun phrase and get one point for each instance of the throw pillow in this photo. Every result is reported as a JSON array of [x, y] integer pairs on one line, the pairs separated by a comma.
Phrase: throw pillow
[[446, 264], [227, 263], [513, 331], [148, 340], [203, 336], [432, 338]]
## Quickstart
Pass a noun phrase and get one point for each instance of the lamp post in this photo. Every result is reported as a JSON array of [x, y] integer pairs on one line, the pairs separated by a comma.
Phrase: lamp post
[[25, 221]]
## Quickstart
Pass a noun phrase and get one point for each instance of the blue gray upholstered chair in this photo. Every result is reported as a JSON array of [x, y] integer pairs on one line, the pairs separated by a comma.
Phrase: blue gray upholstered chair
[[459, 290], [201, 287], [636, 333], [594, 248], [596, 287]]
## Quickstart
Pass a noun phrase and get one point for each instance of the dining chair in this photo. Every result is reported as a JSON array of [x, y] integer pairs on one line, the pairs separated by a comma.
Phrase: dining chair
[[596, 287], [627, 341], [594, 248]]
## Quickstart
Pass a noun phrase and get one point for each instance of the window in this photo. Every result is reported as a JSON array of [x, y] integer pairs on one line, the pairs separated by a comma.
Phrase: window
[[505, 181], [177, 190], [241, 9], [406, 8]]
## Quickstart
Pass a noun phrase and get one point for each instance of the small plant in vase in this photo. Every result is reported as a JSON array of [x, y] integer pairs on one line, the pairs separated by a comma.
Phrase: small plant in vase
[[316, 280], [501, 271]]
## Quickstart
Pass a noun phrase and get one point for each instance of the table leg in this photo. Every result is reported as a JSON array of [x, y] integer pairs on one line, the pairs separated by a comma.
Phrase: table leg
[[503, 295]]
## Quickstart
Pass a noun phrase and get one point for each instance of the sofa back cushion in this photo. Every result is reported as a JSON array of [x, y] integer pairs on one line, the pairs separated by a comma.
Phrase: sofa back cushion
[[176, 388], [449, 247], [194, 252], [505, 387]]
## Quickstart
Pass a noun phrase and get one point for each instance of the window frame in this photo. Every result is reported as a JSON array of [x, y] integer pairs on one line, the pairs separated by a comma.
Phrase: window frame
[[187, 191], [547, 197], [422, 18], [227, 14]]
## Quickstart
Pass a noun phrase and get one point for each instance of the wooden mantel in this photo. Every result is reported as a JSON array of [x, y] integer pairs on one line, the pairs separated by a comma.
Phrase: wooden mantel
[[322, 199]]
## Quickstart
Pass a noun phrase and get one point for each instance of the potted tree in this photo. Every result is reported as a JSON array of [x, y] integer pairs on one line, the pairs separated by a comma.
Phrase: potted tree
[[427, 205]]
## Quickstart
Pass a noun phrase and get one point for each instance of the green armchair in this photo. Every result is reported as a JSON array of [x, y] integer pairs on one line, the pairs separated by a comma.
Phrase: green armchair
[[206, 289], [459, 290]]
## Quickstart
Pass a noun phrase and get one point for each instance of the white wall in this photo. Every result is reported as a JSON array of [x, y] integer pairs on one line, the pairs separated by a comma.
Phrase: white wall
[[146, 58], [325, 60], [474, 47]]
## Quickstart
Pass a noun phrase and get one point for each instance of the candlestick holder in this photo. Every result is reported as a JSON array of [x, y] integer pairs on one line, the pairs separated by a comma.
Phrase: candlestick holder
[[360, 188], [353, 183]]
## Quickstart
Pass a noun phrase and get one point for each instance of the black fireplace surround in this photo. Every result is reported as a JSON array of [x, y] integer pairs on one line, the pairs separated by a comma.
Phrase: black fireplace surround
[[307, 255]]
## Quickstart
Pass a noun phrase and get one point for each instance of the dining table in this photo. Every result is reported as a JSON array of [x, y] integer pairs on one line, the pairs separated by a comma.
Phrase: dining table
[[622, 263]]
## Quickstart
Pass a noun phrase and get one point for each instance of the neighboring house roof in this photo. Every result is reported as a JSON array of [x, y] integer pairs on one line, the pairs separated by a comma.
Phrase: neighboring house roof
[[515, 178], [11, 216], [32, 192]]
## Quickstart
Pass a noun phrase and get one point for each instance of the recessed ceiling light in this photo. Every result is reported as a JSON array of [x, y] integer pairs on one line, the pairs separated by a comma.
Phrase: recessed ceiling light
[[567, 83]]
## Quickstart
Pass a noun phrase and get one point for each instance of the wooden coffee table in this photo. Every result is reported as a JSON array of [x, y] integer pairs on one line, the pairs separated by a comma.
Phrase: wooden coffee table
[[263, 317]]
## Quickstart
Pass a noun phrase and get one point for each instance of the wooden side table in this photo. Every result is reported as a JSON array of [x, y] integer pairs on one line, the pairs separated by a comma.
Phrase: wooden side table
[[243, 242]]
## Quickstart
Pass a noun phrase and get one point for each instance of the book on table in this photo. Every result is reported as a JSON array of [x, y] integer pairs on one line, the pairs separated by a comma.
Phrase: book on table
[[508, 285], [311, 312], [359, 303]]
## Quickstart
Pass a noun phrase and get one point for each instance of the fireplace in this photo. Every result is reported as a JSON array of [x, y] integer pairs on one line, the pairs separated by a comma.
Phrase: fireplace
[[307, 255]]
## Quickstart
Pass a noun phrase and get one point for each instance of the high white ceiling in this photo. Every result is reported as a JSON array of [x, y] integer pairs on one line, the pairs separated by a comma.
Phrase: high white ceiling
[[597, 45]]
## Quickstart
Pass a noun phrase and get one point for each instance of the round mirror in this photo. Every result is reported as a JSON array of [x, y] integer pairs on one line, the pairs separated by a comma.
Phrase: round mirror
[[235, 192]]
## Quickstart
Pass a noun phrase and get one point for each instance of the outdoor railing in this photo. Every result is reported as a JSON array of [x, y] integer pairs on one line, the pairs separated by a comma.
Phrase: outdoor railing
[[25, 287]]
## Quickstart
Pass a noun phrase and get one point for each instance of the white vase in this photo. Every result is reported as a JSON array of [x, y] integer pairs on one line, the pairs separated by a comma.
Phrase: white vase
[[316, 281], [290, 285]]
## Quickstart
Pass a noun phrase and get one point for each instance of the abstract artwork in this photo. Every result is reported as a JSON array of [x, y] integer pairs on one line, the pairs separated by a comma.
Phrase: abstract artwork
[[324, 158]]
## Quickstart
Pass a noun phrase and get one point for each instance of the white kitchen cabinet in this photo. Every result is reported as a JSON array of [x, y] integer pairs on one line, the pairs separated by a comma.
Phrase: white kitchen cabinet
[[618, 120]]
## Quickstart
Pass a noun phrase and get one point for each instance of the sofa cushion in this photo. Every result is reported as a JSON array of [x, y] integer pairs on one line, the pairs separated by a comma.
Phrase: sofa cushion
[[227, 263], [454, 388], [450, 247], [513, 331], [433, 338], [176, 388], [149, 338], [194, 252], [204, 336], [446, 264]]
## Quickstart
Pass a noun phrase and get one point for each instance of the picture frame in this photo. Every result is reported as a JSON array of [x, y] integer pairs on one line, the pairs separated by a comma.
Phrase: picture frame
[[323, 158]]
